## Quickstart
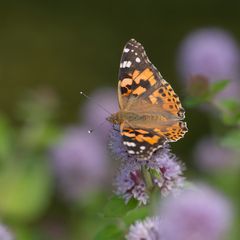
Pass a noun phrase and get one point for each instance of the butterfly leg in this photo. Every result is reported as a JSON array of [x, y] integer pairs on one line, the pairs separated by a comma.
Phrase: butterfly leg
[[116, 128]]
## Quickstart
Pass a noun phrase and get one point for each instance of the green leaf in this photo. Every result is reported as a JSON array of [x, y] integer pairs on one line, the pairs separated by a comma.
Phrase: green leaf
[[6, 135], [110, 232], [232, 140], [230, 109], [116, 207], [227, 180], [195, 101], [230, 104], [207, 95], [231, 119], [25, 190], [23, 232], [38, 137], [136, 214], [118, 216], [217, 87]]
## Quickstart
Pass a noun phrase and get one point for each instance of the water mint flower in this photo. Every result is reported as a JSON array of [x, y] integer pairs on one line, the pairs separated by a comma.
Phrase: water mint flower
[[149, 229], [136, 179], [170, 169], [129, 183]]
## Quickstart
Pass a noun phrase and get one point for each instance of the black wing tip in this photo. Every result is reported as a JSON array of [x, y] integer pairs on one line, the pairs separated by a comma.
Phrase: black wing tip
[[133, 41]]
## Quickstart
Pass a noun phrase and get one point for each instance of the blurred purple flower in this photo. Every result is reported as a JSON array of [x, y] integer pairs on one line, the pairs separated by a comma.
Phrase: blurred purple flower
[[5, 234], [210, 155], [94, 115], [80, 163], [149, 229], [213, 53], [195, 214], [164, 169]]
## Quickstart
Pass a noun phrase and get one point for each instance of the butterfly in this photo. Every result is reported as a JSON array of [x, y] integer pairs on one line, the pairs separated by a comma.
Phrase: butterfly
[[150, 112]]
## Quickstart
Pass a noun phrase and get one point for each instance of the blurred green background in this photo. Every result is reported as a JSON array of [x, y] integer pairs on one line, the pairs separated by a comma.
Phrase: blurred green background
[[73, 46]]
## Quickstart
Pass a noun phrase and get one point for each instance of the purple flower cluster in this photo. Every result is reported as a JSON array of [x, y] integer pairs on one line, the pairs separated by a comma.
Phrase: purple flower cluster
[[199, 213], [129, 183], [148, 229], [214, 54], [136, 178], [166, 164]]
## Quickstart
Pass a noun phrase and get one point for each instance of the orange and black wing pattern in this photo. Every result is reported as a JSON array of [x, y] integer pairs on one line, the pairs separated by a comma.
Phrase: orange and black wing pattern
[[152, 101], [136, 73], [141, 143]]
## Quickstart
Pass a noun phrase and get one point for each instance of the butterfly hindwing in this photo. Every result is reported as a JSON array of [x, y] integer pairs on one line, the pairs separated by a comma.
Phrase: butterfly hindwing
[[141, 143], [172, 132], [167, 99]]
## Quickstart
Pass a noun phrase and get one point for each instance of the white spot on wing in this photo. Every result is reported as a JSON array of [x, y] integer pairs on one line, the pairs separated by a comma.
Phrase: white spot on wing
[[138, 60], [126, 50], [131, 152], [142, 147], [128, 64], [130, 144]]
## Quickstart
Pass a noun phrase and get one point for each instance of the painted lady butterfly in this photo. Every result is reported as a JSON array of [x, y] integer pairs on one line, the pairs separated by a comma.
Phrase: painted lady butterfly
[[150, 111]]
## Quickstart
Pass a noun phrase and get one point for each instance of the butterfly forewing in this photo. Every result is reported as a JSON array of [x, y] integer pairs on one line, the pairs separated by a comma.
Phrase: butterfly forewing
[[135, 69]]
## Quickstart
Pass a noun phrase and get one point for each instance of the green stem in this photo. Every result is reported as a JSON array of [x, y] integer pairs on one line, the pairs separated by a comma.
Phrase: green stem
[[147, 177]]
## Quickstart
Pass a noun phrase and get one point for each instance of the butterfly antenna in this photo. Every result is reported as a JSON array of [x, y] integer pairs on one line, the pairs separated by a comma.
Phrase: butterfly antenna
[[98, 126], [99, 105]]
